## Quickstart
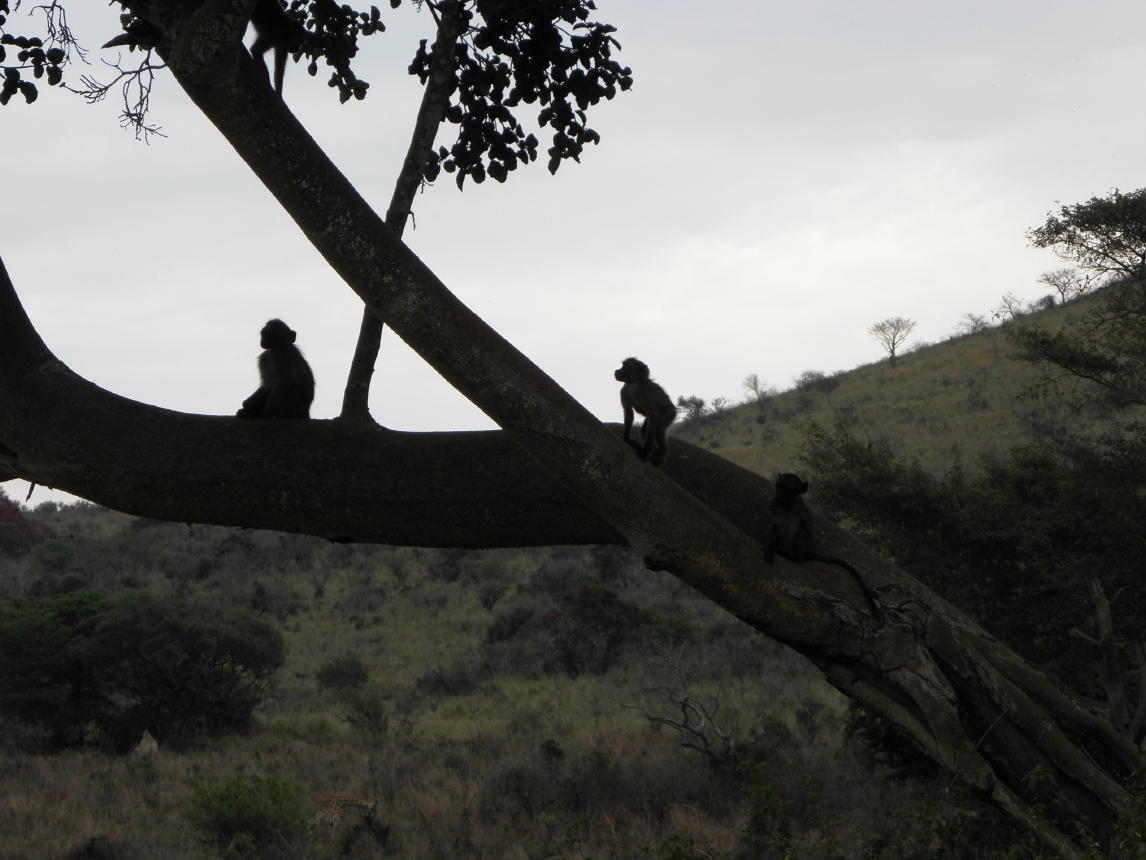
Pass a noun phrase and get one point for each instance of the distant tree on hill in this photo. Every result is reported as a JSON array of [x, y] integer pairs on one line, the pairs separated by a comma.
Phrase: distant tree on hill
[[808, 380], [1010, 308], [1103, 355], [693, 406], [755, 387], [891, 333], [1069, 283], [817, 381], [972, 324]]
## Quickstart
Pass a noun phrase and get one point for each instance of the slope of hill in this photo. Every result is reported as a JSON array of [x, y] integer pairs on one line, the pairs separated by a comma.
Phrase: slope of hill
[[945, 403]]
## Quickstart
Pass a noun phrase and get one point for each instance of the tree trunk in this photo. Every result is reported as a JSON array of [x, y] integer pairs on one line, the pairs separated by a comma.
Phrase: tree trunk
[[435, 100], [977, 708]]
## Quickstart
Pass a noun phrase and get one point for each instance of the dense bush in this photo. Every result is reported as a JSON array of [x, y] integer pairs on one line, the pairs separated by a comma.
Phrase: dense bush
[[590, 627], [18, 534], [179, 669], [460, 679], [507, 624], [583, 629], [1013, 545], [248, 813], [346, 672], [45, 678]]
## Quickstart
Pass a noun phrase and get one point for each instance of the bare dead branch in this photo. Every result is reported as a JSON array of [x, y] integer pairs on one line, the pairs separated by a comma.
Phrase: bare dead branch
[[135, 89]]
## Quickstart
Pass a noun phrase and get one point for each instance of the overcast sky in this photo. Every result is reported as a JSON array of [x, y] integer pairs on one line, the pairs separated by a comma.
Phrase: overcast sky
[[781, 176]]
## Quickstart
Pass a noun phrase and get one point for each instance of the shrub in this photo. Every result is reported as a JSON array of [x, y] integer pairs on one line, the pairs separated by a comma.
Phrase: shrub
[[186, 669], [54, 555], [508, 624], [176, 668], [808, 380], [590, 627], [18, 534], [457, 680], [347, 672], [248, 813], [274, 597], [45, 680]]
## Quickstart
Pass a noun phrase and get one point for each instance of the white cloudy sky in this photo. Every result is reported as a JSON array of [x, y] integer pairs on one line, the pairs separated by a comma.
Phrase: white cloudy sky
[[781, 176]]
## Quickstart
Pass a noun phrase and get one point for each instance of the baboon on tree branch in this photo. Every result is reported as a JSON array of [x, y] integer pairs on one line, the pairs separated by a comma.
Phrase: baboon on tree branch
[[640, 394], [791, 536], [286, 387]]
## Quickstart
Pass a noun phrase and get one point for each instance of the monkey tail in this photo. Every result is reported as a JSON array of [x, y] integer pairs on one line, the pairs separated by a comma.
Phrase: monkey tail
[[839, 562]]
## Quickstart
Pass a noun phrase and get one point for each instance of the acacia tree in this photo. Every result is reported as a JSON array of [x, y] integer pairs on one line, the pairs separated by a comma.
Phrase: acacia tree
[[553, 474], [891, 333], [1068, 283]]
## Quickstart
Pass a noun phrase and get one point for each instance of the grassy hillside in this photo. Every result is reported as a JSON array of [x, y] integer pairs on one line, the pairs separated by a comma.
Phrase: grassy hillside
[[944, 403]]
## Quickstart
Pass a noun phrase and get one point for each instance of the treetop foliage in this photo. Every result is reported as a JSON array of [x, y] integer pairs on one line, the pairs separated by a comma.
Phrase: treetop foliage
[[1104, 234], [509, 53], [1104, 356], [31, 54]]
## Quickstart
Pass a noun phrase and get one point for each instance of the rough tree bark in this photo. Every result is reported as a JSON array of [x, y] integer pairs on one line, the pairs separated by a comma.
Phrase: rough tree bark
[[554, 474], [435, 100]]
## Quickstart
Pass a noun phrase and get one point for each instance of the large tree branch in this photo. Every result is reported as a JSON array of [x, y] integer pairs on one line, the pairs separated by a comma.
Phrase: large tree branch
[[324, 478]]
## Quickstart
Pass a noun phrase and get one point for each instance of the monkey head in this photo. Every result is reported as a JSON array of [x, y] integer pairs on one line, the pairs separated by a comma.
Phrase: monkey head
[[275, 335], [631, 370], [789, 487]]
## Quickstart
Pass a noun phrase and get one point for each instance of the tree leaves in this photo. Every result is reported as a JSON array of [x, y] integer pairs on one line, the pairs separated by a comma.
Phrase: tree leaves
[[31, 55], [514, 52]]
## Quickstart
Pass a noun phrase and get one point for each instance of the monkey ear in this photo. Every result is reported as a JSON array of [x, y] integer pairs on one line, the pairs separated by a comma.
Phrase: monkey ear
[[293, 335], [803, 486]]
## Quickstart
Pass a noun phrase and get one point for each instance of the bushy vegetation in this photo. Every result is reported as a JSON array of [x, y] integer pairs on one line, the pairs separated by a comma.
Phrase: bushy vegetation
[[247, 814], [344, 672], [84, 666], [18, 534], [519, 725]]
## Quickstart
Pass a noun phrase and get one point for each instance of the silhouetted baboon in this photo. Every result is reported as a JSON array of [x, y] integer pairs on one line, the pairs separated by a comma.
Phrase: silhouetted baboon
[[642, 395], [791, 534], [274, 28], [286, 387]]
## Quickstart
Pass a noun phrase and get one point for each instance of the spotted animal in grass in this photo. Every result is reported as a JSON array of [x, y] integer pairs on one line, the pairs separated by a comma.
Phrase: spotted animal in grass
[[337, 808]]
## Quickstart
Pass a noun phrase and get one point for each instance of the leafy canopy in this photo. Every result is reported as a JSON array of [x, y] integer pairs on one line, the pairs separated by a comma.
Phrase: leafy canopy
[[509, 54], [1103, 356]]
